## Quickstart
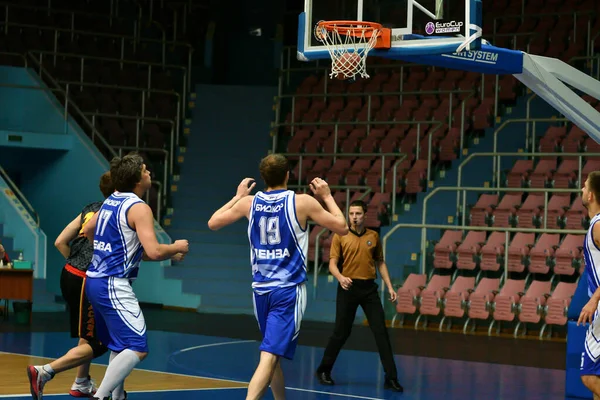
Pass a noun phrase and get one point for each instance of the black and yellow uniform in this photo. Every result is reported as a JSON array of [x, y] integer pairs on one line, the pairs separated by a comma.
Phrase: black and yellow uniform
[[357, 255], [72, 280]]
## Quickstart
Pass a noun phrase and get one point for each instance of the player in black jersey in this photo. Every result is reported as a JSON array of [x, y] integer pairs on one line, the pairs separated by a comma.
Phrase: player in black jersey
[[78, 251]]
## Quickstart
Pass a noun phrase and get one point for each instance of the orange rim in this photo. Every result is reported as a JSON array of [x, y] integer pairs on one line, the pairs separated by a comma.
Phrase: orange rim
[[352, 28]]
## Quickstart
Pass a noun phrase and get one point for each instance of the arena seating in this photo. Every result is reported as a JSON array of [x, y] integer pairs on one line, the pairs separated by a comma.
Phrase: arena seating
[[113, 64]]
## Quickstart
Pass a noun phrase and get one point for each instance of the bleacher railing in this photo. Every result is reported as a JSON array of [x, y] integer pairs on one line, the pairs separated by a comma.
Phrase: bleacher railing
[[133, 40], [463, 226], [574, 14], [400, 157], [530, 137], [16, 55], [44, 74], [144, 94], [369, 96], [169, 164], [317, 260], [150, 66], [497, 159], [20, 196], [436, 125], [507, 231]]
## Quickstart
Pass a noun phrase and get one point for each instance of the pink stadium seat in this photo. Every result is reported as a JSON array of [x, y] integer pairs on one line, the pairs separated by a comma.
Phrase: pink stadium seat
[[542, 252], [519, 173], [506, 209], [432, 296], [408, 296], [506, 301], [456, 299], [445, 249], [576, 215], [482, 209], [531, 305], [518, 251], [529, 212], [480, 301], [492, 253], [542, 173], [468, 249], [557, 206], [557, 305], [565, 176], [569, 255]]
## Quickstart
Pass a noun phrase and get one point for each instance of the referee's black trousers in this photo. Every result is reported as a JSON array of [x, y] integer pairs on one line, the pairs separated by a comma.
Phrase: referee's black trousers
[[362, 293]]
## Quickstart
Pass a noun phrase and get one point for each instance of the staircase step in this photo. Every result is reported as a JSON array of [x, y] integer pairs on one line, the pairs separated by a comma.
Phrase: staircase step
[[228, 235], [185, 272], [223, 287]]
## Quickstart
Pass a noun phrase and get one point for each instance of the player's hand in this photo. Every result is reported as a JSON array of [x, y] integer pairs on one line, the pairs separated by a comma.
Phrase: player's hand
[[182, 246], [320, 188], [178, 257], [587, 312], [243, 189], [393, 294], [345, 282]]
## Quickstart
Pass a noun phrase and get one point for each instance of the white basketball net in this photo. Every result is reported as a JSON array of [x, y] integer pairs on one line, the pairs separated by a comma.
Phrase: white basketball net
[[348, 51]]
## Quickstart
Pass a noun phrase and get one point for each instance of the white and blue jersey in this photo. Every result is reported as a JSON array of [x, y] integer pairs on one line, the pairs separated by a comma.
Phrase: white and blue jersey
[[117, 249], [278, 244], [119, 320], [591, 254], [278, 250]]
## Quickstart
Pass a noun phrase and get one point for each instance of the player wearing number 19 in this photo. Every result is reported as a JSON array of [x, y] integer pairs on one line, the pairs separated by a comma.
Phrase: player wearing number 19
[[278, 235], [123, 233]]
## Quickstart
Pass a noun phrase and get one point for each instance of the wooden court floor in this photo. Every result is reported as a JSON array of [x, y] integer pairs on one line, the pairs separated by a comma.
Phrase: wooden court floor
[[188, 366]]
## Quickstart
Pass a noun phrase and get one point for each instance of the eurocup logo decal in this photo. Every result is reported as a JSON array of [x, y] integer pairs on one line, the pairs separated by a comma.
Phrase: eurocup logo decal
[[430, 28]]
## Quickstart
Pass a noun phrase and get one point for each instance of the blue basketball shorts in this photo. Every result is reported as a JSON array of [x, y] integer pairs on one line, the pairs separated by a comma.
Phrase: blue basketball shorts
[[120, 323], [279, 314]]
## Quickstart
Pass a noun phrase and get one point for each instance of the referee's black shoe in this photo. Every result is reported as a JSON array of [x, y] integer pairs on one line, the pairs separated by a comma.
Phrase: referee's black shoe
[[392, 384], [325, 378]]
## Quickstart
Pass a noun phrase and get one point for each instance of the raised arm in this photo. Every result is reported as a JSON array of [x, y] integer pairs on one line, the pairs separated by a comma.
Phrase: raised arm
[[62, 242], [235, 209], [332, 218], [141, 220]]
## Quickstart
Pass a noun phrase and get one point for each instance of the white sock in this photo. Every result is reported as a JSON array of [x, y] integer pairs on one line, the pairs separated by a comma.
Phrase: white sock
[[118, 369], [47, 372], [81, 381], [118, 393]]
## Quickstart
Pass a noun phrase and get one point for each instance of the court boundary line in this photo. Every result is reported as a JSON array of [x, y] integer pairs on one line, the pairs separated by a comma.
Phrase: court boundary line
[[347, 395]]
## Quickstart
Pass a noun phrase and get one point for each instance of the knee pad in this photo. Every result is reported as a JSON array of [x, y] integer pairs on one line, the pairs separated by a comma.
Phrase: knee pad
[[98, 349]]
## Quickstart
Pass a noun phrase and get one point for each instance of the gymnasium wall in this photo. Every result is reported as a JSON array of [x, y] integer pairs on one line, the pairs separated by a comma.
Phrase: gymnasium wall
[[57, 182]]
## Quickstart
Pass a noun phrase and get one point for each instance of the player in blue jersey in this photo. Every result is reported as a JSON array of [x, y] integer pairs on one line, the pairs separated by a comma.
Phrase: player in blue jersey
[[278, 235], [590, 358], [123, 233]]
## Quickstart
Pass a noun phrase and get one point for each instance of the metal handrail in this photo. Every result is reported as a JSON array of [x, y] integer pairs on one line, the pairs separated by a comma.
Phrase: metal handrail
[[507, 230], [116, 60], [158, 199], [480, 189], [133, 39], [498, 156], [150, 150], [522, 120], [401, 157], [137, 134], [135, 89], [43, 72], [21, 196], [20, 55]]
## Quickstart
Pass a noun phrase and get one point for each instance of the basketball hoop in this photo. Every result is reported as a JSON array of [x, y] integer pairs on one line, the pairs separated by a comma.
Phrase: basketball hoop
[[349, 43]]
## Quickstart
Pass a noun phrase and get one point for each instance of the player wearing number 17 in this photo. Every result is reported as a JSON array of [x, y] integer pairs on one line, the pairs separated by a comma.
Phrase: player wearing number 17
[[123, 234], [278, 235]]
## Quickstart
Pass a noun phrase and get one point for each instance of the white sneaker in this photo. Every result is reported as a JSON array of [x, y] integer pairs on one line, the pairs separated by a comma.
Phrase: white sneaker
[[85, 389], [37, 379]]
